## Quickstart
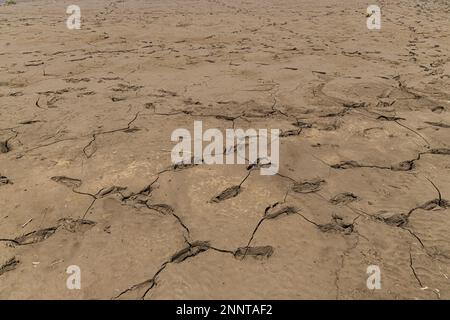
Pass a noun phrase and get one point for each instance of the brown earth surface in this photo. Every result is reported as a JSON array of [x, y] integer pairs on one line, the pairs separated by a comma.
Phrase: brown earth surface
[[86, 118]]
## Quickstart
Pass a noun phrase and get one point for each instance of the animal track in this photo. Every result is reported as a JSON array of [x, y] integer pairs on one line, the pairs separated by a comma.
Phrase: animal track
[[346, 165], [190, 251], [290, 133], [35, 236], [438, 124], [308, 186], [68, 182], [337, 225], [3, 147], [392, 219], [110, 191], [69, 224], [343, 198], [9, 265], [161, 208], [271, 213], [407, 165], [228, 193], [4, 180], [75, 225], [263, 252]]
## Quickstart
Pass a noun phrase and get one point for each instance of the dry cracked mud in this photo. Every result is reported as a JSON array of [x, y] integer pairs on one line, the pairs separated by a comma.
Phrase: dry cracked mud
[[86, 177]]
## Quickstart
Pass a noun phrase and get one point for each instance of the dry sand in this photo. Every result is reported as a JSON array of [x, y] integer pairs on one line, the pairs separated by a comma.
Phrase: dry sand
[[85, 123]]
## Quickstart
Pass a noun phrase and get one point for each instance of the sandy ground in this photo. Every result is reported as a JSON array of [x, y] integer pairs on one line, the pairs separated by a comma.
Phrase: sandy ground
[[87, 179]]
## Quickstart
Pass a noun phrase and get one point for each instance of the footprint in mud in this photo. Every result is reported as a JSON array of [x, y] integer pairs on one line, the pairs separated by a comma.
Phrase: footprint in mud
[[308, 186], [75, 225], [74, 80], [161, 208], [137, 200], [346, 165], [125, 87], [438, 109], [337, 225], [30, 121], [181, 165], [9, 265], [228, 193], [272, 214], [87, 93], [302, 125], [116, 99], [34, 63], [35, 236], [261, 252], [392, 219], [4, 147], [4, 180], [68, 182], [192, 250], [15, 94], [343, 198], [51, 103], [131, 130], [438, 124], [68, 224], [110, 191], [290, 133], [407, 165], [436, 203], [356, 105], [389, 118]]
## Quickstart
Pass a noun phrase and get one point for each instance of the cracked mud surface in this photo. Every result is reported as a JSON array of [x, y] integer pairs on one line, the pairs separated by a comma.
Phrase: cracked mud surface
[[86, 177]]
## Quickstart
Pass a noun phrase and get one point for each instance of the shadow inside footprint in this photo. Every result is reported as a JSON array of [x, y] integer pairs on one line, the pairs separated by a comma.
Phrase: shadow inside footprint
[[228, 193], [308, 186], [261, 252], [343, 198]]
